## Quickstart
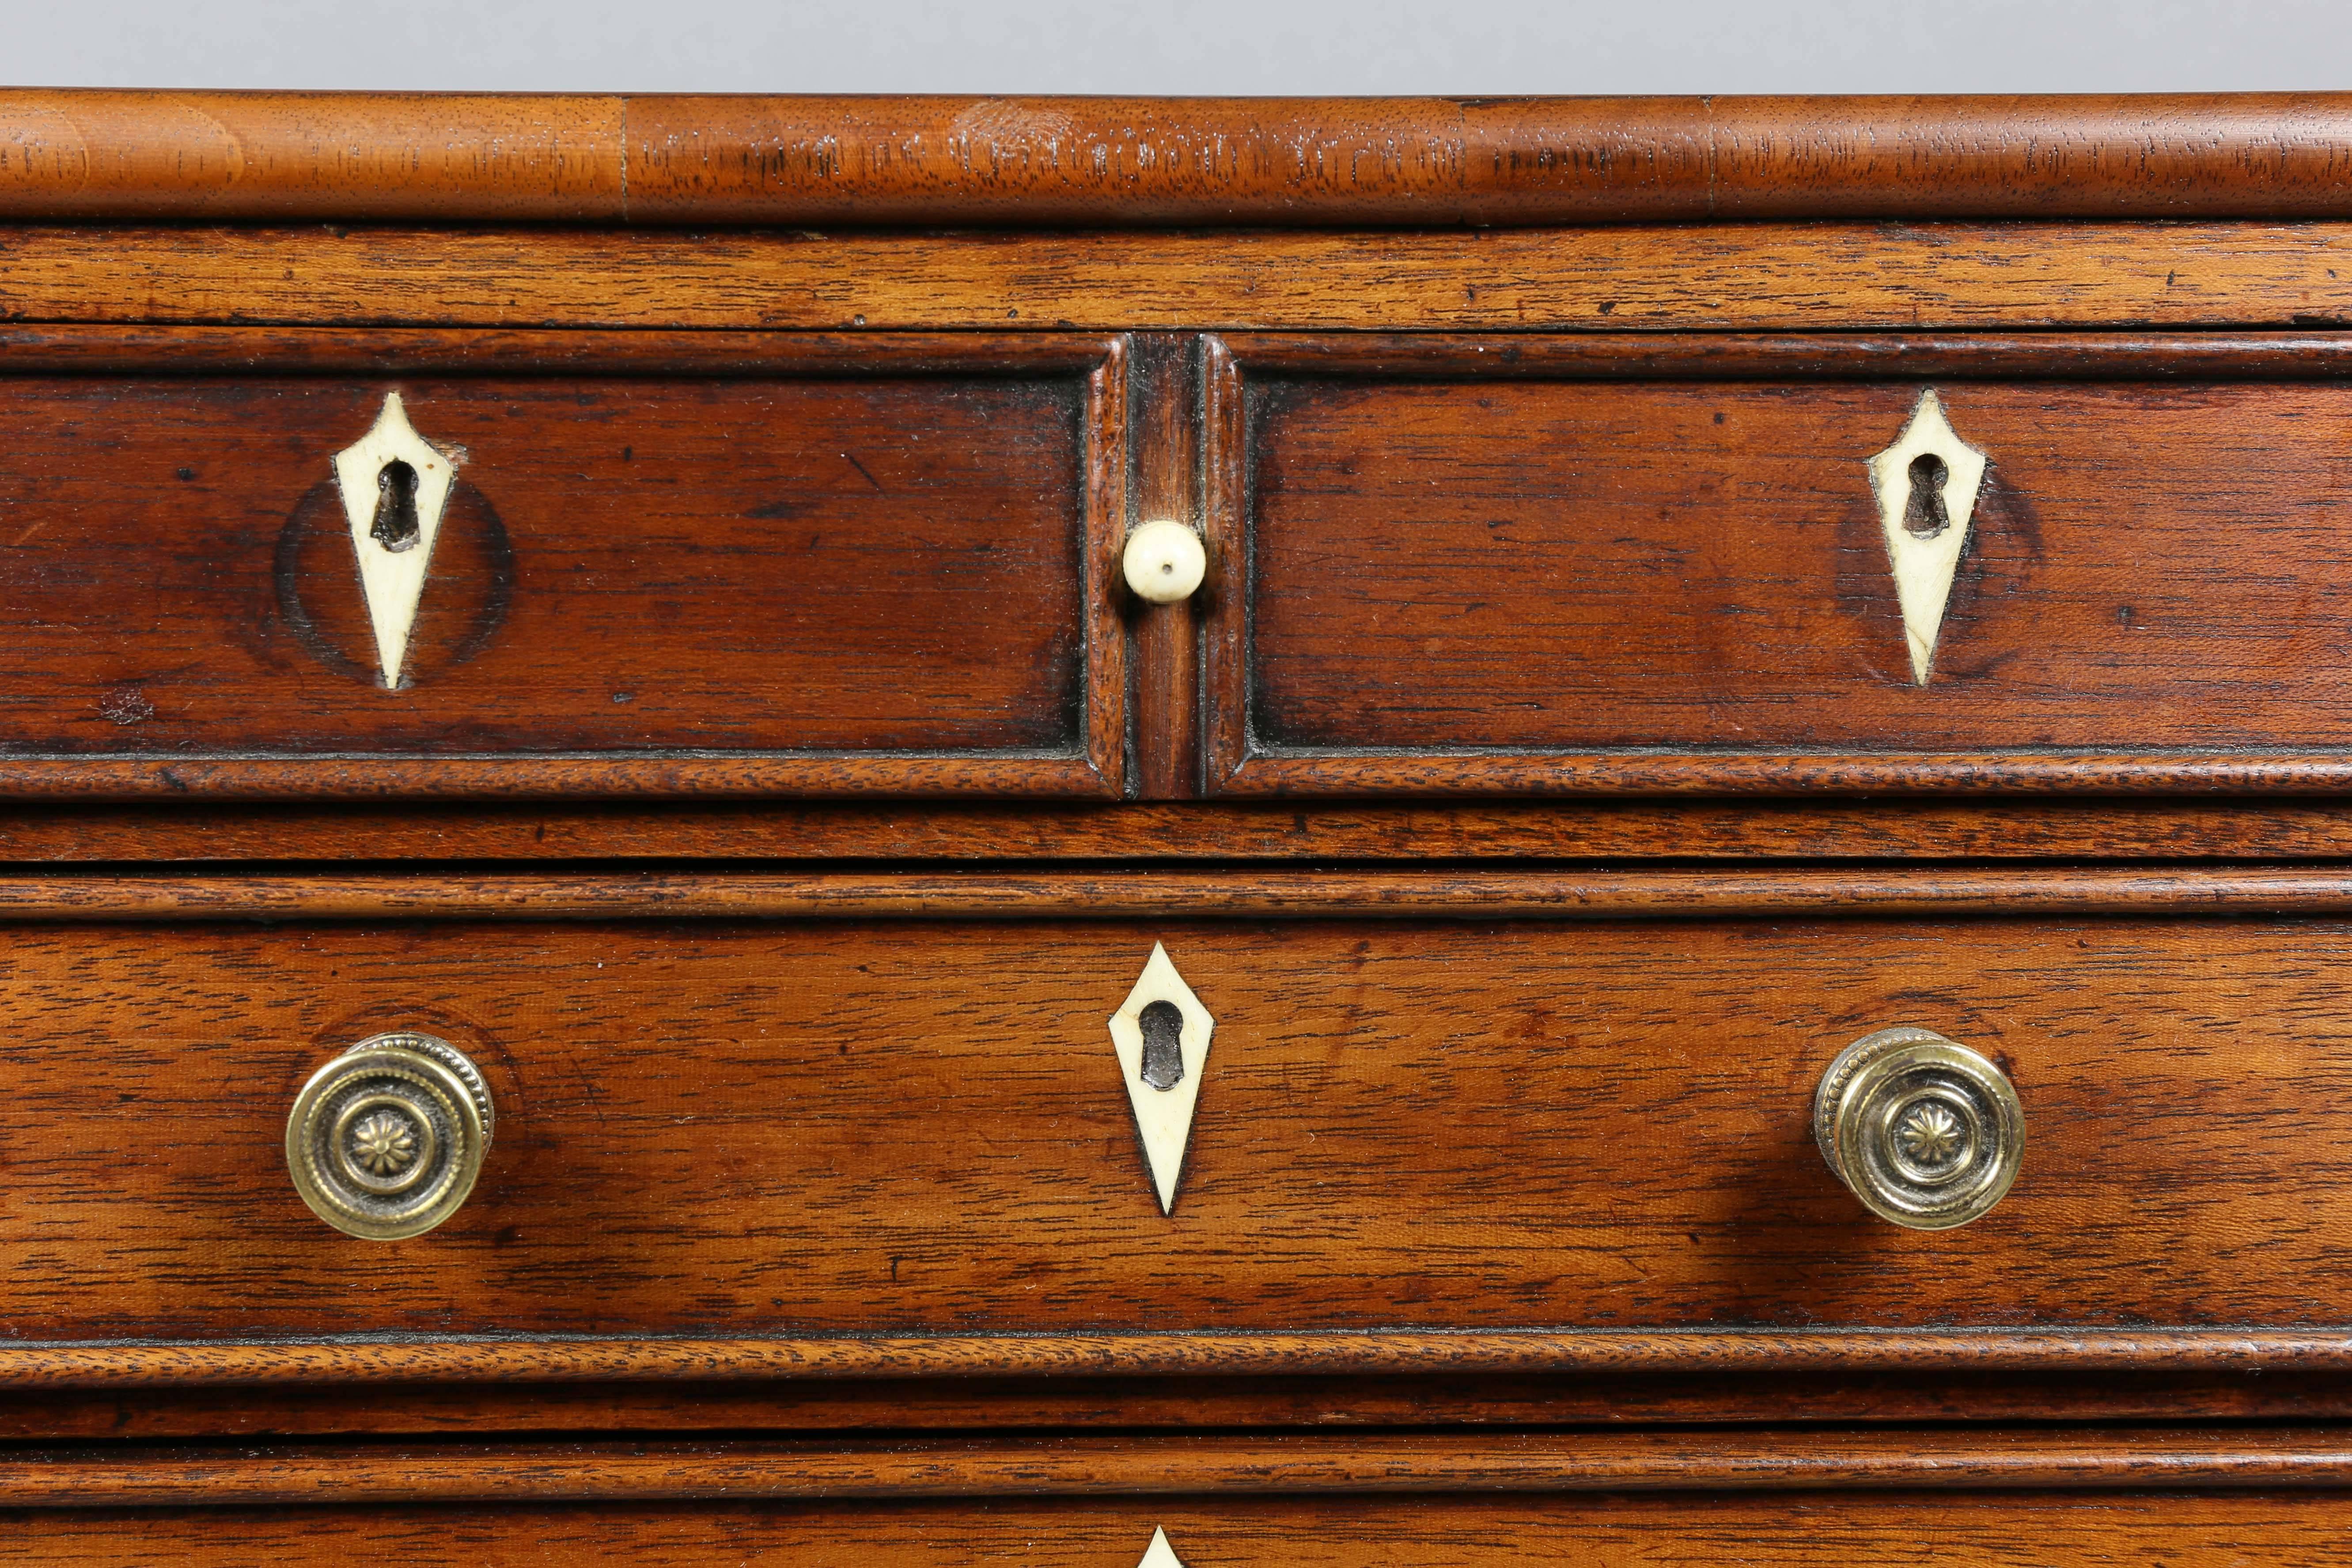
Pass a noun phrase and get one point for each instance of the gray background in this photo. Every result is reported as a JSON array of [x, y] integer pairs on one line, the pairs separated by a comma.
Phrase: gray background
[[1168, 46]]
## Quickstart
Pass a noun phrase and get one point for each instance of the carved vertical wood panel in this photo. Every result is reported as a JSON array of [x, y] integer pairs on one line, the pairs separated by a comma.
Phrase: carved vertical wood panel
[[1165, 378]]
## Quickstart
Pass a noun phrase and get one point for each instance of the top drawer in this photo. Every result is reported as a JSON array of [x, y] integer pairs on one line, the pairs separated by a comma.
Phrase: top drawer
[[1558, 565], [237, 562]]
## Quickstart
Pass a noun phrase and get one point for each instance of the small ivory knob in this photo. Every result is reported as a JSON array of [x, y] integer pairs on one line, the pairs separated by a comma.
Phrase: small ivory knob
[[1927, 1132], [1164, 562]]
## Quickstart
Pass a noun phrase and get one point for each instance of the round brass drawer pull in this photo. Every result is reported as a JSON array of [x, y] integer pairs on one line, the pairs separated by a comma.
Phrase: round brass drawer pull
[[1926, 1132], [385, 1140]]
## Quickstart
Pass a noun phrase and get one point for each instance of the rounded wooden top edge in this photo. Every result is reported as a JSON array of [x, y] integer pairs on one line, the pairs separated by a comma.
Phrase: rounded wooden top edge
[[84, 155]]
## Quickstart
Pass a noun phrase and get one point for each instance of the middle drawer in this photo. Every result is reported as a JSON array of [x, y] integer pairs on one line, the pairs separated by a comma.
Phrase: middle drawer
[[1455, 1119]]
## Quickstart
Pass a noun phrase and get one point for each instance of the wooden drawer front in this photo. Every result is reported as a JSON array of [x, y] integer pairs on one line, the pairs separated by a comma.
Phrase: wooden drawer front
[[1562, 564], [787, 1131], [728, 563], [2056, 1495], [1999, 1530]]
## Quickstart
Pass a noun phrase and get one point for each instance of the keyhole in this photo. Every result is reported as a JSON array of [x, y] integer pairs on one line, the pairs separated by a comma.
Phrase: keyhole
[[1163, 1048], [1923, 517], [395, 525]]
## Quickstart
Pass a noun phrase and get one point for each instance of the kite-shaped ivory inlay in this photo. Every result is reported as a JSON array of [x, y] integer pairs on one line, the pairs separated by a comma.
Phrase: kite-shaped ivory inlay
[[1160, 1554], [1162, 1035], [395, 486], [1926, 486]]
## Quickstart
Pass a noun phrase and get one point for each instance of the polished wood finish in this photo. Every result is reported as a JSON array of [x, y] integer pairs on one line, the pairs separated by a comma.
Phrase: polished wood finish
[[461, 157], [1744, 1354], [1276, 832], [1864, 1529], [1735, 357], [1677, 582], [1132, 1404], [1431, 163], [787, 790], [1362, 1463], [1168, 486], [1813, 276], [1377, 894], [951, 1084], [159, 353], [793, 572]]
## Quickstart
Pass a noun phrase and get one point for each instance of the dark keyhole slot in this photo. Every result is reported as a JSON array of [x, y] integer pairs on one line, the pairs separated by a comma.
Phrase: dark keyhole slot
[[1164, 1047], [1925, 517], [395, 508]]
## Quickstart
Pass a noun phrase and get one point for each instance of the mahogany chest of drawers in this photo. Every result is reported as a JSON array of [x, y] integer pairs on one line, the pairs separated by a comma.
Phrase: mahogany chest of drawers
[[1115, 834]]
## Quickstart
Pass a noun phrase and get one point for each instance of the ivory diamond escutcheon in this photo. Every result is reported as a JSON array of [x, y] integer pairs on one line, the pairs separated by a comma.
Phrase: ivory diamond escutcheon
[[1926, 485], [1160, 1554], [1162, 1032], [395, 485]]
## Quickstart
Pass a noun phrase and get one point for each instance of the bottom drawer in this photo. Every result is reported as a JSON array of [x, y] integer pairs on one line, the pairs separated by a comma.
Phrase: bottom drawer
[[1989, 1529]]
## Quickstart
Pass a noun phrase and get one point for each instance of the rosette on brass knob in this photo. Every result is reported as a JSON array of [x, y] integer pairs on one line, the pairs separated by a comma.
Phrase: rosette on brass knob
[[1926, 1132], [385, 1140]]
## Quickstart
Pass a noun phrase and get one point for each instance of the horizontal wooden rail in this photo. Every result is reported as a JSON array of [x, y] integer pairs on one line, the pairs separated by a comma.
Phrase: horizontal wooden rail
[[1812, 276], [1078, 162], [120, 1364], [107, 348], [1142, 833], [1081, 1467], [1444, 893]]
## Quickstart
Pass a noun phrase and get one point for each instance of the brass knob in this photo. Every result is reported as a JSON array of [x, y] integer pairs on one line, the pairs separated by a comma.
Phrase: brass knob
[[1926, 1132], [384, 1141]]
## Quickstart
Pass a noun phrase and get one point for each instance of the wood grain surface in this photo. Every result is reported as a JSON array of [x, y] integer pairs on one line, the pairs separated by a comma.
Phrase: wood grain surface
[[799, 439], [1166, 664], [1186, 1403], [659, 159], [451, 156], [1811, 277], [1364, 1463], [193, 835], [1370, 894], [1603, 356], [1866, 1530], [721, 1132], [1462, 578], [1752, 1357], [826, 574]]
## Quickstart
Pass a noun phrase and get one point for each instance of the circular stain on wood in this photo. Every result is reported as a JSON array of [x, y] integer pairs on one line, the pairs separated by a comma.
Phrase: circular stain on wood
[[468, 588]]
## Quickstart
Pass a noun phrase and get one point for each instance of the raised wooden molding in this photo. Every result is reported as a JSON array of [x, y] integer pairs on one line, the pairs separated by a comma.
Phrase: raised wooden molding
[[1177, 893], [1777, 1352], [812, 1407], [825, 161], [1284, 1465], [961, 832]]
